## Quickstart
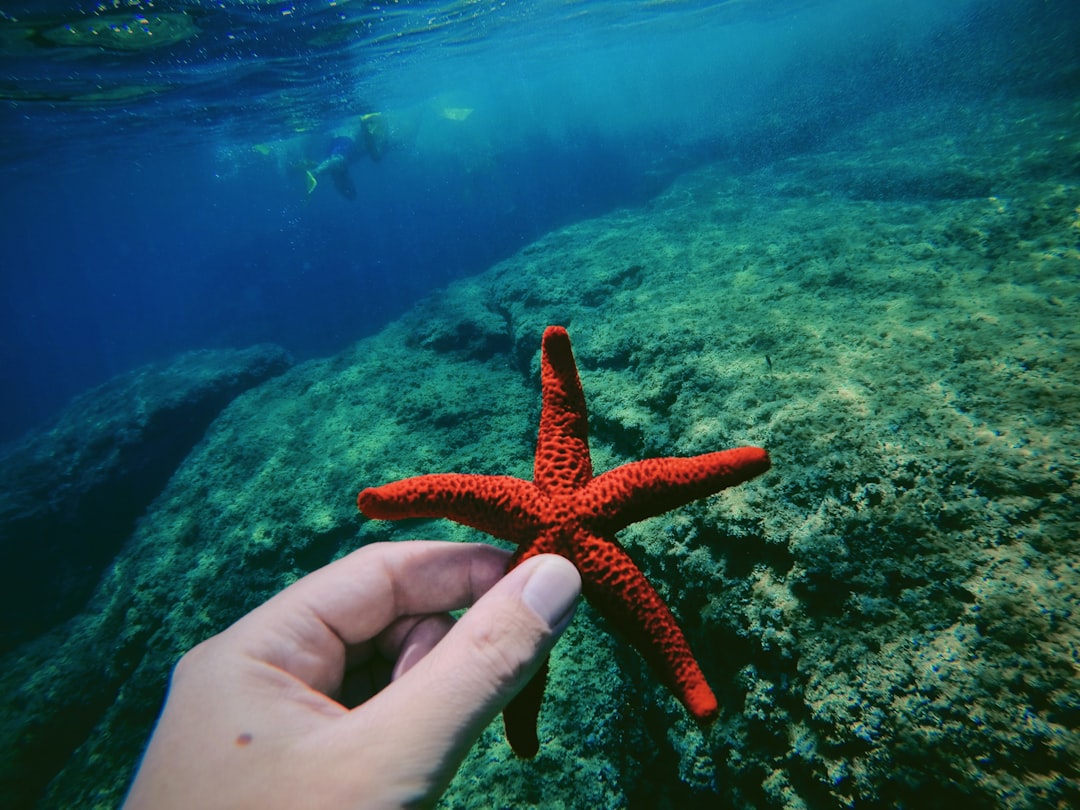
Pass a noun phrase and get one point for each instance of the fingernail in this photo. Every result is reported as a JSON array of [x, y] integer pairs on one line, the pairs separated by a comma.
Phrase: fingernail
[[408, 657], [552, 591]]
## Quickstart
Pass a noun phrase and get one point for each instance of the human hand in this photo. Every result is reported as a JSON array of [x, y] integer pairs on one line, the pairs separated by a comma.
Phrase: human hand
[[260, 715]]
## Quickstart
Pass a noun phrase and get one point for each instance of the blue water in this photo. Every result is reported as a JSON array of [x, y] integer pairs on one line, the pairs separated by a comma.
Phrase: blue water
[[153, 196]]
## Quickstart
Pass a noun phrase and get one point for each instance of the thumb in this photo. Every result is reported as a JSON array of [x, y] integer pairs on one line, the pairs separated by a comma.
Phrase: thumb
[[439, 707]]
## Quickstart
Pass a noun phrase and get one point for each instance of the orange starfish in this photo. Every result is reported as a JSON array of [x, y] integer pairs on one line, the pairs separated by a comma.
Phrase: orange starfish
[[566, 511]]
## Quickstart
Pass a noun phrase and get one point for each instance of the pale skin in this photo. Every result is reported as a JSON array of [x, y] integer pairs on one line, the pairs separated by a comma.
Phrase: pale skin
[[290, 707]]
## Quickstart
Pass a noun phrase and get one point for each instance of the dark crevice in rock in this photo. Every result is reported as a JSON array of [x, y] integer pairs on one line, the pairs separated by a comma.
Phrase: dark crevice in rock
[[71, 493], [324, 547]]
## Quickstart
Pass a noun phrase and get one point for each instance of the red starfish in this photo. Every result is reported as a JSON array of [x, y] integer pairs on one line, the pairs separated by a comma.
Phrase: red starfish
[[566, 511]]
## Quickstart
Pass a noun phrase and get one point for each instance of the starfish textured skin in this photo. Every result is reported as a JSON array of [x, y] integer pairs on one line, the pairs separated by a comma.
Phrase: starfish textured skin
[[565, 510]]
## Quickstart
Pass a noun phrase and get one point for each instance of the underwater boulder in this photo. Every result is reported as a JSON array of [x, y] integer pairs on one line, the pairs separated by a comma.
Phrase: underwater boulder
[[70, 493]]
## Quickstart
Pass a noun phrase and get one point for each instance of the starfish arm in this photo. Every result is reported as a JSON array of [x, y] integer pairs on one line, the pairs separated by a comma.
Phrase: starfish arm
[[503, 506], [562, 445], [521, 714], [618, 590], [643, 489]]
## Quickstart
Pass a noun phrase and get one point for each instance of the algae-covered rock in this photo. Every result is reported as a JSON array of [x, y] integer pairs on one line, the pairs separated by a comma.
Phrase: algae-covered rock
[[70, 492], [124, 30], [887, 617]]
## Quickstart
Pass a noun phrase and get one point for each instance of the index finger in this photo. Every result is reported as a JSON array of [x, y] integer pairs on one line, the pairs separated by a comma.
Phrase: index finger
[[307, 627]]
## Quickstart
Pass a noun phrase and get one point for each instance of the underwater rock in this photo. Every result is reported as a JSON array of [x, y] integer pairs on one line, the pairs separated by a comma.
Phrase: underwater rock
[[70, 493], [479, 334]]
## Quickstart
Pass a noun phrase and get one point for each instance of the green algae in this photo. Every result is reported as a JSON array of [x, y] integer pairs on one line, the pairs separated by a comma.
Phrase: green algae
[[887, 617]]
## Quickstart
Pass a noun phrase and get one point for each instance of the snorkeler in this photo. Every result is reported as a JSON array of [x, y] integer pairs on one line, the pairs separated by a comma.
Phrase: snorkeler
[[344, 150], [336, 165]]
